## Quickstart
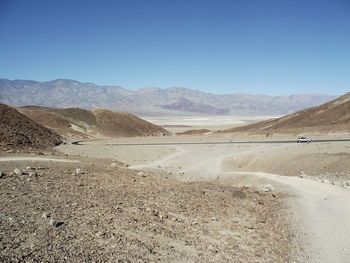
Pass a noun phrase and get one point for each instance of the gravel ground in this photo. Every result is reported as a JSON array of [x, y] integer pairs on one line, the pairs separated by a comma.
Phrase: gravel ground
[[109, 213]]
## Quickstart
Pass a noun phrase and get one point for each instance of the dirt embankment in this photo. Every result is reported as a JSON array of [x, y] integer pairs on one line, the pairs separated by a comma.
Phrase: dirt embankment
[[315, 159], [112, 214]]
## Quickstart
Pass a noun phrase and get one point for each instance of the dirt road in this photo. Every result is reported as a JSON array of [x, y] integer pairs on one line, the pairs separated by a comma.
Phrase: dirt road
[[323, 210], [8, 159]]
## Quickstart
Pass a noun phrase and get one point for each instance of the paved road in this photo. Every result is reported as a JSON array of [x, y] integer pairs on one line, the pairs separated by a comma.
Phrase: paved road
[[202, 143]]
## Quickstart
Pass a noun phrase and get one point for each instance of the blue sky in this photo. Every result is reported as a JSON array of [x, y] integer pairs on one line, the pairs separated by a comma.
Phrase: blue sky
[[275, 47]]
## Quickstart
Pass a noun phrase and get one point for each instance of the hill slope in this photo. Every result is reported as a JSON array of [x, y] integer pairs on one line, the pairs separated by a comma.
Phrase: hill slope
[[331, 116], [80, 123], [17, 130], [63, 93]]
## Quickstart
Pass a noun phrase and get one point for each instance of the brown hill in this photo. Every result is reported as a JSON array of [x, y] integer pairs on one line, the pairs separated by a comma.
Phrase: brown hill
[[17, 131], [72, 123], [333, 116], [123, 124], [80, 123]]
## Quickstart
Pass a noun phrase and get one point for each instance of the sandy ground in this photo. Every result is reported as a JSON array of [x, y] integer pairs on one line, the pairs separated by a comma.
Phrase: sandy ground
[[319, 208]]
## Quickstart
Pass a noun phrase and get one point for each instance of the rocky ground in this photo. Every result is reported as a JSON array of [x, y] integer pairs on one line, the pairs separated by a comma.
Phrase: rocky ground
[[101, 211]]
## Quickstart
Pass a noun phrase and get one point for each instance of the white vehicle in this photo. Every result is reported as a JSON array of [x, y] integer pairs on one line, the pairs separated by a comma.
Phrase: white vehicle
[[303, 139]]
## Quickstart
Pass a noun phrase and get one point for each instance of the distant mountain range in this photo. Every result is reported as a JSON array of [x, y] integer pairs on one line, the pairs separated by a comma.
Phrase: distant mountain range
[[64, 93]]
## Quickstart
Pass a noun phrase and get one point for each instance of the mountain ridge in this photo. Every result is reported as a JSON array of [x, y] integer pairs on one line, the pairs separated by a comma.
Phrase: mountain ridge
[[63, 93]]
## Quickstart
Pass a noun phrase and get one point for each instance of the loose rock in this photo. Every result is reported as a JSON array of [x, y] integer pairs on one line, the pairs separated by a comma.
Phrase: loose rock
[[32, 174], [18, 171], [45, 215], [140, 174], [266, 188], [54, 223]]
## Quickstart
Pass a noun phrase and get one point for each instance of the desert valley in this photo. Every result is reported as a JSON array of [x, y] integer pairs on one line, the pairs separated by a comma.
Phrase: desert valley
[[175, 131], [98, 185]]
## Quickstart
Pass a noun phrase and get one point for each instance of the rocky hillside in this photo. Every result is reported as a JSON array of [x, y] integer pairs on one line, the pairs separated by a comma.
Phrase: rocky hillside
[[331, 116], [18, 131], [80, 123], [69, 93]]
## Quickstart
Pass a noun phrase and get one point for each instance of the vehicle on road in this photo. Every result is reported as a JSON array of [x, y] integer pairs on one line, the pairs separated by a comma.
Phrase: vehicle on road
[[304, 139]]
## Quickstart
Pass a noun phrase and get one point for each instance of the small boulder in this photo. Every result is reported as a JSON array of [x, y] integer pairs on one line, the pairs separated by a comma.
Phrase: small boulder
[[140, 174], [266, 188], [33, 174], [78, 171], [54, 223], [113, 164], [45, 215], [302, 174], [17, 171]]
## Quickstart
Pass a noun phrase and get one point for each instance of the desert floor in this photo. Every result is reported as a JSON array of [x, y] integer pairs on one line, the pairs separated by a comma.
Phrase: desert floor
[[316, 176], [176, 124], [157, 199]]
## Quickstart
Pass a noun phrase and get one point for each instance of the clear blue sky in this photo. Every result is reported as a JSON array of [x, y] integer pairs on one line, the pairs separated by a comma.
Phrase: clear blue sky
[[221, 46]]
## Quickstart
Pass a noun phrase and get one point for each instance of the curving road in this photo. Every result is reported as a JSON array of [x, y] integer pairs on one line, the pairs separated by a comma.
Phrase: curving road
[[81, 142]]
